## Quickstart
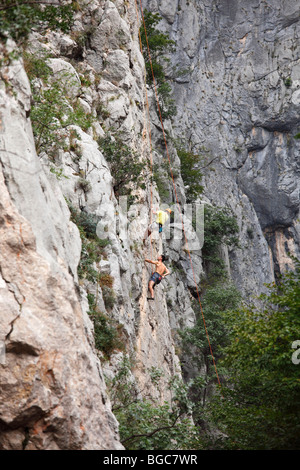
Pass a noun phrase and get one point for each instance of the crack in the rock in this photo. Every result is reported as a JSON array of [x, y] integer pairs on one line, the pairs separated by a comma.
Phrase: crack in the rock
[[12, 290]]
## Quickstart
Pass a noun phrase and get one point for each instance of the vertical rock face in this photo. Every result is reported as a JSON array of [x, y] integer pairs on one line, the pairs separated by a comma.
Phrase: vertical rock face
[[53, 391], [49, 362], [237, 96]]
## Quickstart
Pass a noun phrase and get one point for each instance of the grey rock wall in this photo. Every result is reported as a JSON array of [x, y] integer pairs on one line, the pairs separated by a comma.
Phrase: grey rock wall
[[53, 380], [237, 95], [53, 394]]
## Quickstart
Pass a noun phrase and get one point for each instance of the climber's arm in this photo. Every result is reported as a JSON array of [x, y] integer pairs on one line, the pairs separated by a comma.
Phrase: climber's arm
[[150, 261], [167, 272]]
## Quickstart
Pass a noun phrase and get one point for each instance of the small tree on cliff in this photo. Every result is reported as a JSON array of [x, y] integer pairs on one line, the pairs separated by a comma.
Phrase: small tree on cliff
[[159, 44], [19, 18]]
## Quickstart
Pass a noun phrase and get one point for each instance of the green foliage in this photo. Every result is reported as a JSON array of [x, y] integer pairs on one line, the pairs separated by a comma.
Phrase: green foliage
[[260, 408], [19, 18], [106, 333], [147, 425], [190, 172], [48, 109], [53, 109], [93, 248], [58, 173], [220, 227], [87, 224], [162, 179], [90, 253], [109, 296], [288, 82], [159, 43], [125, 165], [144, 426], [217, 301], [36, 66]]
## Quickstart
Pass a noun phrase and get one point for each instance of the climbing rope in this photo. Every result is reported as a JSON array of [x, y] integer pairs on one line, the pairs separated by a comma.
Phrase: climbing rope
[[172, 176], [150, 139]]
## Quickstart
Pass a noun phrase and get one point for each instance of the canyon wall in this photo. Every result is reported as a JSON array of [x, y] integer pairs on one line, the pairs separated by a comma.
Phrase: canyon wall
[[53, 390], [235, 75], [236, 86]]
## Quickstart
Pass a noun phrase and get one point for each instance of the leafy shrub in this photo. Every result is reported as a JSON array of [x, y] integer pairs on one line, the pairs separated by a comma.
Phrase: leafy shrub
[[36, 66], [162, 179], [260, 403], [53, 110], [86, 222], [109, 297], [148, 425], [288, 82], [18, 19], [107, 334], [125, 165], [220, 227], [216, 302], [159, 43], [93, 248], [190, 173]]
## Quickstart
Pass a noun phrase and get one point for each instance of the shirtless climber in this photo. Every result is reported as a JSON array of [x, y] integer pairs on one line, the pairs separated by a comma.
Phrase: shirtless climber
[[160, 273]]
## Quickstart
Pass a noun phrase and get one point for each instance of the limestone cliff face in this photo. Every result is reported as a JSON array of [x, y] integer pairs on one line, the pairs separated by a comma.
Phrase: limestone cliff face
[[236, 83], [53, 391], [49, 363], [235, 101]]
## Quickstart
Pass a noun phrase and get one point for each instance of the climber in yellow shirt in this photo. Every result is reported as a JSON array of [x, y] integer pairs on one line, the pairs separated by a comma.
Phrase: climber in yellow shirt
[[161, 218]]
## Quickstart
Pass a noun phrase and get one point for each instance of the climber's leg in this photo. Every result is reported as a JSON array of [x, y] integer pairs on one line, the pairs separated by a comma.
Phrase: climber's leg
[[151, 285], [152, 229]]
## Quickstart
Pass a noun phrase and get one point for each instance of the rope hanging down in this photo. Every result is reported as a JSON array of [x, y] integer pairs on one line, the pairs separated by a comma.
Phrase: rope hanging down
[[149, 133], [173, 181]]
